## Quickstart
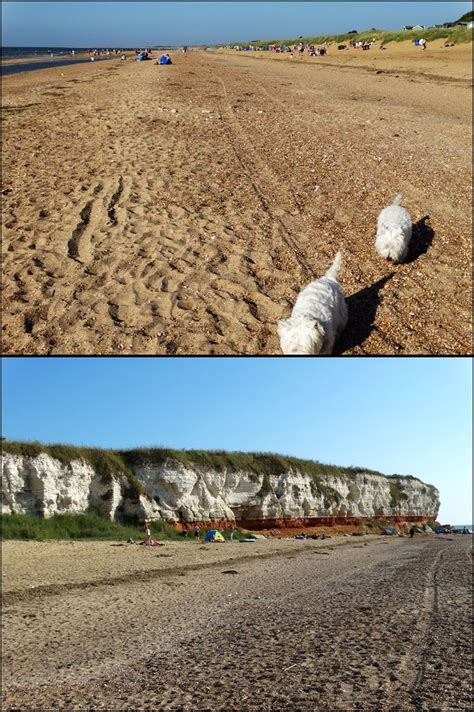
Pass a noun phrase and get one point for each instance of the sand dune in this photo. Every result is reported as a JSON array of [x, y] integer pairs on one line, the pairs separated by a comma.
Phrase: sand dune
[[173, 210]]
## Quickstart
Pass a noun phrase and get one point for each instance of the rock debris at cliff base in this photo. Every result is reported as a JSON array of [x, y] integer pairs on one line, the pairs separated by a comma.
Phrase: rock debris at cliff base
[[372, 625]]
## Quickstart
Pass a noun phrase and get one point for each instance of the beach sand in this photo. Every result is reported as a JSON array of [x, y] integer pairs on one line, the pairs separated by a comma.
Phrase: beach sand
[[174, 210], [368, 624]]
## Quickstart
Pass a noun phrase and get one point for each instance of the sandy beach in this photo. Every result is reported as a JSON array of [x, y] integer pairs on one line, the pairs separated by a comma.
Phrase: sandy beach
[[180, 210], [370, 623]]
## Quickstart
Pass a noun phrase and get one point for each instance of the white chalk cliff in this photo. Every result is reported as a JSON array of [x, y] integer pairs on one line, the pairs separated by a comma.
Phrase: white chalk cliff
[[42, 485]]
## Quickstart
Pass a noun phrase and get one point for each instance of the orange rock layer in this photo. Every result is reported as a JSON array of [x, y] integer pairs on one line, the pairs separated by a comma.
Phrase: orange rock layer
[[297, 523]]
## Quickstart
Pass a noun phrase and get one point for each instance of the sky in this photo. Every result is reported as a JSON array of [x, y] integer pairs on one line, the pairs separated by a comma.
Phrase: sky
[[409, 416], [129, 24]]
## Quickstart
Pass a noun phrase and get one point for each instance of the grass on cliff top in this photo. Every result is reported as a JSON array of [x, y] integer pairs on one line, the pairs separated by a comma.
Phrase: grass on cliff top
[[110, 463], [67, 527], [456, 35], [253, 462], [107, 463]]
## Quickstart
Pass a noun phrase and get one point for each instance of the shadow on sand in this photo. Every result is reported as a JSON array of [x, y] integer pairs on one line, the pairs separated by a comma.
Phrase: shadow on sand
[[421, 239], [362, 308]]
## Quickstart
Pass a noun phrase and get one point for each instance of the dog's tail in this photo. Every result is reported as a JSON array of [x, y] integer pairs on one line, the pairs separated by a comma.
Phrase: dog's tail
[[397, 199], [335, 268]]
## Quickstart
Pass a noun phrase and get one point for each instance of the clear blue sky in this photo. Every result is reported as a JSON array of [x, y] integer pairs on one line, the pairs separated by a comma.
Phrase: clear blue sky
[[396, 415], [83, 24]]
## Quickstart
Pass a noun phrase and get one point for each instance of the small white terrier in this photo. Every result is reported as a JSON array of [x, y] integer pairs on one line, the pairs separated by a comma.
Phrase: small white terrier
[[319, 315], [393, 231]]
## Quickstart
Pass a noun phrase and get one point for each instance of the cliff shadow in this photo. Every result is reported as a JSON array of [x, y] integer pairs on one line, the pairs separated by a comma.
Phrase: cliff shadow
[[362, 307], [421, 239]]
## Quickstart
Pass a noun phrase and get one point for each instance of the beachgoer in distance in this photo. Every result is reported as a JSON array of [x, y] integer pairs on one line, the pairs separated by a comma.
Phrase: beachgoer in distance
[[231, 534], [412, 532], [146, 524], [196, 534]]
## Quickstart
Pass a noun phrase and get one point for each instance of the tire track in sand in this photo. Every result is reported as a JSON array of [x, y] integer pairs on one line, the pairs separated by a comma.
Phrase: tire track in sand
[[280, 216]]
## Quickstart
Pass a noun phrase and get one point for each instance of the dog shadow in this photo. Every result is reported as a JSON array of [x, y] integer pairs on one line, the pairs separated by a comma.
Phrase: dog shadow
[[362, 308], [421, 238]]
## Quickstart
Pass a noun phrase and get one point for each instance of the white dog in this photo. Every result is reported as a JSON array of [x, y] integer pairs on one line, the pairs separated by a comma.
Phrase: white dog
[[393, 232], [319, 315]]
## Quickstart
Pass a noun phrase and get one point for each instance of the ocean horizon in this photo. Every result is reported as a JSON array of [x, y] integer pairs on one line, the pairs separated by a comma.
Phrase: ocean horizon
[[32, 52]]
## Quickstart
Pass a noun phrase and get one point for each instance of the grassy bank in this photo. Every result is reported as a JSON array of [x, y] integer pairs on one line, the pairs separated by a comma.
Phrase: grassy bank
[[456, 35], [67, 527], [78, 526]]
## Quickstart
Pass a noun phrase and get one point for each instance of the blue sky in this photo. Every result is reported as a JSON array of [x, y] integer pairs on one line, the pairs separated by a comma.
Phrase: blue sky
[[149, 23], [396, 415]]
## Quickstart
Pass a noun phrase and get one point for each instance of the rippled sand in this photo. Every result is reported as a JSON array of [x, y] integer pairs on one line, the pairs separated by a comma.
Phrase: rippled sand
[[181, 209]]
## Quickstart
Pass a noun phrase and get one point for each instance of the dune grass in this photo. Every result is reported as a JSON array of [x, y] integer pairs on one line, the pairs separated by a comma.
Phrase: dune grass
[[456, 35]]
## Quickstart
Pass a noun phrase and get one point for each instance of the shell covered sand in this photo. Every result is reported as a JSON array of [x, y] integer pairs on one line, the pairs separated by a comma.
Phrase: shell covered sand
[[370, 623], [181, 209]]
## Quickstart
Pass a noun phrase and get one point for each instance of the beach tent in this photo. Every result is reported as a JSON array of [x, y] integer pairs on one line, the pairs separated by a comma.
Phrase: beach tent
[[213, 535]]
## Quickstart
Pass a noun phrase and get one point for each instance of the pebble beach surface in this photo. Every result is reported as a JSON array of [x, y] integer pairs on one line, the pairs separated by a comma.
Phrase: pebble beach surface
[[366, 623], [181, 209]]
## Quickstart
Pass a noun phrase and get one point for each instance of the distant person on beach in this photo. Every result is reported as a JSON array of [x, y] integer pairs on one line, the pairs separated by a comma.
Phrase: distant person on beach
[[146, 524], [412, 532], [231, 534], [196, 534], [165, 59]]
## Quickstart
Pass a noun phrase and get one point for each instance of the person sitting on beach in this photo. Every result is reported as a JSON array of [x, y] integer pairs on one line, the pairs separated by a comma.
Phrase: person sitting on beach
[[165, 59]]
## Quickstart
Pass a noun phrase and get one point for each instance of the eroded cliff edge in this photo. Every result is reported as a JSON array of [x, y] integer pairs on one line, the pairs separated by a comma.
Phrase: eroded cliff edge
[[194, 486]]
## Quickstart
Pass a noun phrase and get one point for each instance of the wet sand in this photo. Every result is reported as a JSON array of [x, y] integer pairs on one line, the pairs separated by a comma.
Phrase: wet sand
[[368, 624], [174, 210]]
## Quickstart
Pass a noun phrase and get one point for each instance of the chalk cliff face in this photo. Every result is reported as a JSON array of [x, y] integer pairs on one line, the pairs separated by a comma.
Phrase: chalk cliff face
[[42, 485]]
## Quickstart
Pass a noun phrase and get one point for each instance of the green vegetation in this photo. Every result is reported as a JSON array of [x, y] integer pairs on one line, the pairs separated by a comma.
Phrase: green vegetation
[[111, 463], [318, 488], [456, 35], [396, 494], [467, 17], [78, 526], [378, 523], [91, 526], [108, 464], [257, 464], [266, 487]]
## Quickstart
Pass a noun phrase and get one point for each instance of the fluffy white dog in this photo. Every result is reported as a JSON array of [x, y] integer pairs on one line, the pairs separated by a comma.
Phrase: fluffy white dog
[[319, 315], [393, 231]]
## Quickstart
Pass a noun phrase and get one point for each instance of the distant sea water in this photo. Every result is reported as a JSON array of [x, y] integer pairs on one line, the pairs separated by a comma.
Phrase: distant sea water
[[33, 52], [38, 52]]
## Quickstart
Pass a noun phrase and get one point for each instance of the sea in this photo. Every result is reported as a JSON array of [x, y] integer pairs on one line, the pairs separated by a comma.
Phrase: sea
[[38, 52], [55, 57]]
